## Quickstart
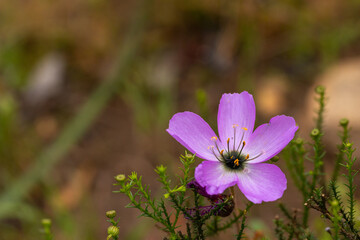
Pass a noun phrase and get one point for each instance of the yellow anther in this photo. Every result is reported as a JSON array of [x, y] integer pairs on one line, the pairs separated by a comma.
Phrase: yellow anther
[[244, 143], [235, 125], [244, 128], [236, 162], [214, 139], [221, 152], [247, 157], [211, 147], [228, 140]]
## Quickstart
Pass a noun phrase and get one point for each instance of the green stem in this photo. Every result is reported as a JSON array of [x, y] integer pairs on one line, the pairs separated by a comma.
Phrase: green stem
[[198, 221], [341, 148]]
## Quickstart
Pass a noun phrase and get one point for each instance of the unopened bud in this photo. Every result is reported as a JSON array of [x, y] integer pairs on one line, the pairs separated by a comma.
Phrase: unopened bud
[[161, 169], [46, 222], [120, 178], [320, 89], [344, 122], [315, 133], [275, 159], [334, 203], [111, 214], [113, 230], [299, 141], [133, 176], [348, 145]]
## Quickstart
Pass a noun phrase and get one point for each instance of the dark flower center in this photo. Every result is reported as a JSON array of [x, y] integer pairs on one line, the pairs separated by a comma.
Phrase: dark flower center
[[234, 160]]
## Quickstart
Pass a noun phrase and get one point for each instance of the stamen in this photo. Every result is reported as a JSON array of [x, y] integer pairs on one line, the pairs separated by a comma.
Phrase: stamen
[[256, 156], [217, 147], [222, 151], [247, 157], [242, 138], [244, 128], [228, 141], [212, 150], [235, 125], [236, 162], [234, 136], [243, 145]]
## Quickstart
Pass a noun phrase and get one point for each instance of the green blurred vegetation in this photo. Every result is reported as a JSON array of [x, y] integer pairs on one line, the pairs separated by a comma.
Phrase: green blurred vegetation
[[151, 58]]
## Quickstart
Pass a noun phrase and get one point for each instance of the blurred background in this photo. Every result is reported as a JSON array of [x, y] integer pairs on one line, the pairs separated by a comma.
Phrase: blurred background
[[87, 88]]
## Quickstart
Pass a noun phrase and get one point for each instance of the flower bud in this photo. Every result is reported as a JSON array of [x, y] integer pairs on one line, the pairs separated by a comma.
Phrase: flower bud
[[200, 189], [348, 145], [120, 178], [133, 176], [111, 214], [315, 133], [161, 169], [334, 203], [275, 159], [113, 230], [299, 141], [228, 208], [344, 122], [46, 222], [320, 89]]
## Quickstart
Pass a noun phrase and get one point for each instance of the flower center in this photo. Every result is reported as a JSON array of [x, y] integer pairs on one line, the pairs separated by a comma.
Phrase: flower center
[[232, 157], [234, 160]]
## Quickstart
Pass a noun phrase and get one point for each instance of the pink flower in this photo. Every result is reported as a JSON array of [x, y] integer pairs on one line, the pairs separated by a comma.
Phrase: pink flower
[[236, 157]]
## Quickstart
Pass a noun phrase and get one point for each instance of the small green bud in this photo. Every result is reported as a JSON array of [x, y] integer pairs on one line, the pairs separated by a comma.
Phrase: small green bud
[[133, 176], [166, 195], [334, 203], [120, 178], [344, 122], [299, 141], [348, 145], [113, 230], [315, 133], [46, 222], [275, 159], [111, 214], [320, 89], [161, 169]]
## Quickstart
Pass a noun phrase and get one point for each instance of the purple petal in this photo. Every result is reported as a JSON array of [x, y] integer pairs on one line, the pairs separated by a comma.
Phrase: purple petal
[[270, 138], [201, 190], [236, 110], [262, 182], [203, 210], [194, 133], [214, 177]]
